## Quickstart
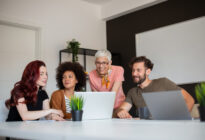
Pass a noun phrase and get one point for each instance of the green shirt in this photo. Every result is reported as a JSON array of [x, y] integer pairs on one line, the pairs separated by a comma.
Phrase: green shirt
[[134, 95]]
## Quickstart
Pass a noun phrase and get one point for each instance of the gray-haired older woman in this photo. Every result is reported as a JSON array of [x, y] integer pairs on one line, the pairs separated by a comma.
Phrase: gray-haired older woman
[[107, 77]]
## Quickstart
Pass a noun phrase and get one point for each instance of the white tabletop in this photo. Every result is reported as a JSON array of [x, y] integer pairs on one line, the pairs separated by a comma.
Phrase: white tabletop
[[105, 130]]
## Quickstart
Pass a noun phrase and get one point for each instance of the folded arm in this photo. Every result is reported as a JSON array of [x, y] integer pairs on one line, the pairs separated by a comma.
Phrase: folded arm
[[33, 115], [188, 99]]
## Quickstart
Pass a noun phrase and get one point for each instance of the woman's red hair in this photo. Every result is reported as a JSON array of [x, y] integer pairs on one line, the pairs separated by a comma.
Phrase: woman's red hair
[[27, 87]]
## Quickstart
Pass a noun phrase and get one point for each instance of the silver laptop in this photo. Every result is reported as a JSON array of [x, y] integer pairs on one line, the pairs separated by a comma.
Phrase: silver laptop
[[97, 105], [167, 105]]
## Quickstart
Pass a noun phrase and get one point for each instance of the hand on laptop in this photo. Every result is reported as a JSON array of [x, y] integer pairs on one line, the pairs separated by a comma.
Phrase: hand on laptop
[[123, 114]]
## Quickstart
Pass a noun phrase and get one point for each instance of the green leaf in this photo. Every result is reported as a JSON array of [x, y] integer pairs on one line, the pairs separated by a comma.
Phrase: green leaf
[[200, 93], [74, 46], [76, 103], [203, 88]]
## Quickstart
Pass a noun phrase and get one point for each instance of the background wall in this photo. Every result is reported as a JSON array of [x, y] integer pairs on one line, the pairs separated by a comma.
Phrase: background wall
[[177, 51], [58, 21], [121, 31], [24, 40]]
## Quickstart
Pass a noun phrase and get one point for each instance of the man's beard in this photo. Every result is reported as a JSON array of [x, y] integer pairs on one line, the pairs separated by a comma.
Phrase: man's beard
[[141, 80]]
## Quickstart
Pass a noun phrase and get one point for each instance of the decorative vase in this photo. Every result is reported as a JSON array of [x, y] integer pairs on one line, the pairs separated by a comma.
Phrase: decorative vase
[[77, 115], [202, 113]]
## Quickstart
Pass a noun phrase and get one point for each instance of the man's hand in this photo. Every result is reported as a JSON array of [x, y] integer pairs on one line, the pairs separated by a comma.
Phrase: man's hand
[[123, 114]]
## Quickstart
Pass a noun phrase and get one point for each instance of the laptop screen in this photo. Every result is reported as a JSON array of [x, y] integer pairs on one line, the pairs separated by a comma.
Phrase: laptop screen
[[97, 105], [167, 105]]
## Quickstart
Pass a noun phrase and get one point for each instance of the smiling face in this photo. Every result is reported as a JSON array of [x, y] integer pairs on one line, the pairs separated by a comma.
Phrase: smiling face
[[139, 72], [43, 77], [69, 80], [102, 65]]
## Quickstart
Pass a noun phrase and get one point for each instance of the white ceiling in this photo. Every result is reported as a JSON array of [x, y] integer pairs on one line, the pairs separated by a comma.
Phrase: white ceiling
[[99, 2], [114, 8], [102, 2]]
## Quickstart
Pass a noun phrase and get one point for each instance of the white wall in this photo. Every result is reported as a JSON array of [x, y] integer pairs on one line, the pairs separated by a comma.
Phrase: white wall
[[117, 8], [13, 36], [177, 51], [59, 21]]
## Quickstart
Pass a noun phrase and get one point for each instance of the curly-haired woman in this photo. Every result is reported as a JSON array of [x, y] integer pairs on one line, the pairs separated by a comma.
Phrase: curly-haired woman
[[70, 77], [28, 100]]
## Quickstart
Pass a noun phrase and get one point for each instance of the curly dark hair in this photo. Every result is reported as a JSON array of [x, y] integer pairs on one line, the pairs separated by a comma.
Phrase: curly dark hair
[[76, 68], [147, 63]]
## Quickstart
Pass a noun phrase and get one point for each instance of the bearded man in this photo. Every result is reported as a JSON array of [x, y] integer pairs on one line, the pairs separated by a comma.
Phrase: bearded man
[[141, 69]]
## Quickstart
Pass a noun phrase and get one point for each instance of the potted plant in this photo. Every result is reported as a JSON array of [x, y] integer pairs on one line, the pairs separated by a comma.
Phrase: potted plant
[[74, 46], [200, 96], [76, 105]]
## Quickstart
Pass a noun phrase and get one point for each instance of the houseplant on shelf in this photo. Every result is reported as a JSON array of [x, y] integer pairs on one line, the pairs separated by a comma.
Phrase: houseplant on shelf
[[74, 46], [76, 105], [200, 96]]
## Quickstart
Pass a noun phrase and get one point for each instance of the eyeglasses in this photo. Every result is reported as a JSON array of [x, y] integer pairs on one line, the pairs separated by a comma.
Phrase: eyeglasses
[[101, 63]]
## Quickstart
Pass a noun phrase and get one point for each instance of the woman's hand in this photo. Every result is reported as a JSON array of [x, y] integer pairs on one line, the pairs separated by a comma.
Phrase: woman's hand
[[57, 117], [57, 112]]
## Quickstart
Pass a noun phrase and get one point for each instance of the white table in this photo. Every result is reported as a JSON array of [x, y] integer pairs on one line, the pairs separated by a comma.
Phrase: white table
[[114, 129]]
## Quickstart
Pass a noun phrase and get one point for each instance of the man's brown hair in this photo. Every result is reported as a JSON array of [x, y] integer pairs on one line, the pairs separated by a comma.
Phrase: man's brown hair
[[147, 63]]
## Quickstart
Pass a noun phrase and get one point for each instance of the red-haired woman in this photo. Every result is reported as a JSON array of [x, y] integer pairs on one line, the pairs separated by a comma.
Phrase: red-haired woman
[[28, 100]]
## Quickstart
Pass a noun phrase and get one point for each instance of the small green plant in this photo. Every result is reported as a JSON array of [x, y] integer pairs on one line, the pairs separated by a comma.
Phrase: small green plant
[[200, 93], [74, 46], [76, 103]]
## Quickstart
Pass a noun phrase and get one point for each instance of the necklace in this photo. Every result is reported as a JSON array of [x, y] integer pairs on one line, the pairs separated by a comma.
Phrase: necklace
[[105, 81]]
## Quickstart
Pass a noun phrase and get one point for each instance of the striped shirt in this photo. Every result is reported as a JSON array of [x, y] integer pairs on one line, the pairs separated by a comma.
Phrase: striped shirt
[[67, 104]]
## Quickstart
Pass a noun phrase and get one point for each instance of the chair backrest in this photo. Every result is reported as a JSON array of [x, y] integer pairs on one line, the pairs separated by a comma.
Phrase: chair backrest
[[3, 111]]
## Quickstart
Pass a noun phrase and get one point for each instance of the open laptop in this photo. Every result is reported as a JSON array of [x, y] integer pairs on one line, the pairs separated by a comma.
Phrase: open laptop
[[167, 105], [97, 105]]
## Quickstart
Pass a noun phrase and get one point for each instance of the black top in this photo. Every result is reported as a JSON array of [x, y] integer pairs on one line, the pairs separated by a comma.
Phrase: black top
[[14, 114]]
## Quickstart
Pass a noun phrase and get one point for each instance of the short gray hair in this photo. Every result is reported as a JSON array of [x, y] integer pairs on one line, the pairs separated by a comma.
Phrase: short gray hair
[[103, 53]]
